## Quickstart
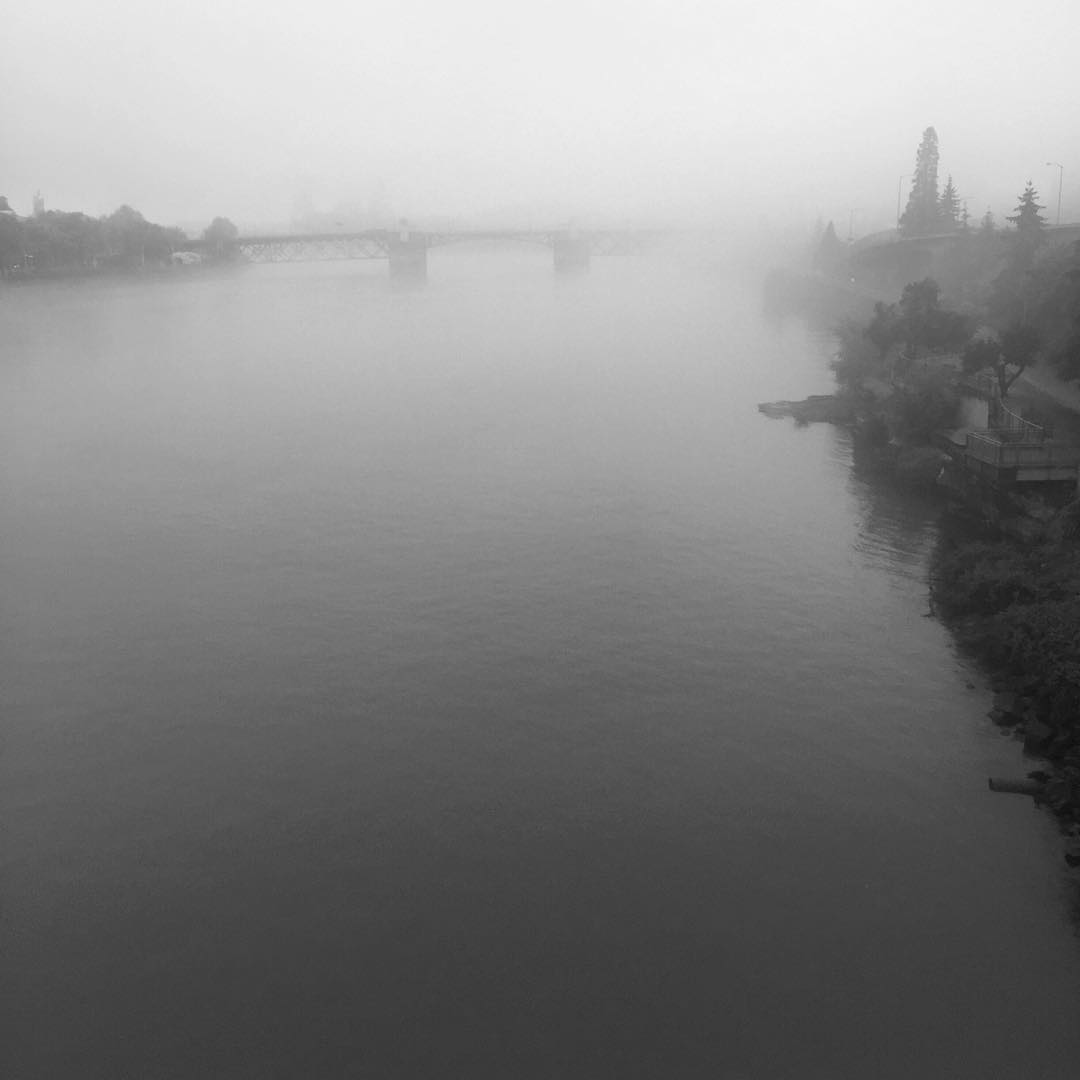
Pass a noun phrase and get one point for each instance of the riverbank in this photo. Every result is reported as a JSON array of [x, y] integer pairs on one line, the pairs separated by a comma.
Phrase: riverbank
[[1016, 608], [107, 272], [1010, 593]]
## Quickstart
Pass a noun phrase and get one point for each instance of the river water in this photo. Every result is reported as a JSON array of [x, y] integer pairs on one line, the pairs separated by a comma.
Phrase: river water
[[467, 680]]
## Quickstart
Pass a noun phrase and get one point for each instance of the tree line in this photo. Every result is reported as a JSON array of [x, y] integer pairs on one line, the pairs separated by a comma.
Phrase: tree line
[[928, 211], [1014, 297], [57, 241], [1028, 313]]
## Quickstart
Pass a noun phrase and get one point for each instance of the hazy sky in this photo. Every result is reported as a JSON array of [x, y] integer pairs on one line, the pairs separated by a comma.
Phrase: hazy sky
[[781, 110]]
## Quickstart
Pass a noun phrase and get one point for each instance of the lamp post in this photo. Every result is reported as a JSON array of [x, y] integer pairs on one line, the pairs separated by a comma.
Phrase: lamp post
[[851, 223], [1061, 177], [899, 187]]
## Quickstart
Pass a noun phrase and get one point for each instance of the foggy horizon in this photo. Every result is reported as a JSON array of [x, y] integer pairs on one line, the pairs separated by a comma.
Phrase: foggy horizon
[[675, 112]]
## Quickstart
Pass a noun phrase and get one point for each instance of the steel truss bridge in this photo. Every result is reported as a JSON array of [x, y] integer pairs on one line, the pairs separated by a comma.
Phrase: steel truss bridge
[[406, 249]]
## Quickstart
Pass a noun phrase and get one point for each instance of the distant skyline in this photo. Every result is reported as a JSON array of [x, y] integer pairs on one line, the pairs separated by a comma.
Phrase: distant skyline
[[780, 114]]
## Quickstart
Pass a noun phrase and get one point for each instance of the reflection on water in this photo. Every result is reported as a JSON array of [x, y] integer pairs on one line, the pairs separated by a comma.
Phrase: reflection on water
[[897, 524], [471, 679]]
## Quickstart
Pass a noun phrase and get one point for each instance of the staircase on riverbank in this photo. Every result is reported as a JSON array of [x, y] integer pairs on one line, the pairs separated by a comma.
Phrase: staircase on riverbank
[[1011, 450]]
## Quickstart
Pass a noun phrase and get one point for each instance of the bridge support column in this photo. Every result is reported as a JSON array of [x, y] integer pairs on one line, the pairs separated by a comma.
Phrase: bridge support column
[[408, 255], [571, 252]]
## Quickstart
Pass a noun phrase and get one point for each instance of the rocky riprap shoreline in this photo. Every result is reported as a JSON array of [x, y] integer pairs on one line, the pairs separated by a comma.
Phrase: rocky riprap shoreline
[[1014, 606], [1057, 786], [986, 592]]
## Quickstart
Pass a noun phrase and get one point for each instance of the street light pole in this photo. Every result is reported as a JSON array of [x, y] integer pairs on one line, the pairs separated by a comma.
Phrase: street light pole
[[899, 187], [1061, 177], [851, 223]]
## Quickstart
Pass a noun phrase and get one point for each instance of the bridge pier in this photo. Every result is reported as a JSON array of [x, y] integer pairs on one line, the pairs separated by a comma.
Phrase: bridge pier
[[408, 254], [571, 252]]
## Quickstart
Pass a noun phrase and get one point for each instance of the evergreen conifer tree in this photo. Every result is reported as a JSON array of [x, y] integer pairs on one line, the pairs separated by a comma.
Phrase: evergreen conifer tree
[[1027, 218], [922, 215], [1029, 226], [949, 207], [831, 253]]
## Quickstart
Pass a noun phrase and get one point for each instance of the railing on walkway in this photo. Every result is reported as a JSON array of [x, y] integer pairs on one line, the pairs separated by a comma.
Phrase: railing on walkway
[[1013, 425], [990, 448], [1001, 419]]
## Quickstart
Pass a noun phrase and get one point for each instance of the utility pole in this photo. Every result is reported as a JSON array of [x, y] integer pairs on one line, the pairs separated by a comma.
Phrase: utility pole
[[851, 223], [1061, 178]]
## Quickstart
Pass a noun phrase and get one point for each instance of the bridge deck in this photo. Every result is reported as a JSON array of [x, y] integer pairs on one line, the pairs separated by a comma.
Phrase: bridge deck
[[380, 243]]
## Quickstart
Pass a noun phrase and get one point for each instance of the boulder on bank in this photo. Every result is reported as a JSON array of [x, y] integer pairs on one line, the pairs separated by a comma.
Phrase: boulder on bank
[[816, 409]]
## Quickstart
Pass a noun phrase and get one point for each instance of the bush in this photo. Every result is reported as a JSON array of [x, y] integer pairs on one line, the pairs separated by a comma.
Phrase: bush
[[1042, 641], [985, 578], [857, 357], [1044, 637], [1020, 609], [925, 404]]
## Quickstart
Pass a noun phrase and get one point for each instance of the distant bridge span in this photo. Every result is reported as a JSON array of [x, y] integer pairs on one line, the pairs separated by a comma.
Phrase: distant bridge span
[[406, 249]]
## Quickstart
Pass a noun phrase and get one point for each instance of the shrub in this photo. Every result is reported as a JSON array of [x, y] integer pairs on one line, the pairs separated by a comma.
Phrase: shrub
[[985, 578], [857, 357], [1042, 641], [925, 404]]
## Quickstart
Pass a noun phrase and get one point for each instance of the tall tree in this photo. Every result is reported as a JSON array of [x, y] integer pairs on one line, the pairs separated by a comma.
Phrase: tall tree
[[918, 306], [1013, 290], [884, 328], [831, 254], [921, 216], [857, 356], [1027, 217], [949, 206], [56, 240], [220, 235], [1029, 224], [11, 242], [1007, 356], [922, 323], [125, 232]]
